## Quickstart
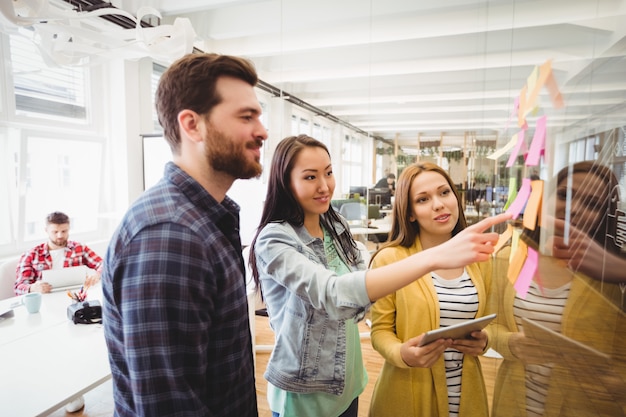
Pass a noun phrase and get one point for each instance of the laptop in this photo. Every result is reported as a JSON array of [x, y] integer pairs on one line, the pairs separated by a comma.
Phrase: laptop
[[65, 278]]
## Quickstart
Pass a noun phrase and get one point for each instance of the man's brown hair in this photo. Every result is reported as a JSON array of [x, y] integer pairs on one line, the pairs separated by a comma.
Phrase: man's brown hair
[[57, 217], [189, 84]]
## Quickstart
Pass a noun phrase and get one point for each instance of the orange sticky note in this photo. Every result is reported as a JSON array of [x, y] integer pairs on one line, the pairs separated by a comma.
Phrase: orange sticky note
[[517, 262], [533, 206], [503, 238], [555, 94]]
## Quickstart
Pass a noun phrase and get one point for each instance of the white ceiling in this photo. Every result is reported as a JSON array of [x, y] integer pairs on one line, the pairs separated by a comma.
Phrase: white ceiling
[[409, 69]]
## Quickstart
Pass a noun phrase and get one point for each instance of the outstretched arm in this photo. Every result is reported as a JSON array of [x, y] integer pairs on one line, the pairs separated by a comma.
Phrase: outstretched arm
[[469, 246]]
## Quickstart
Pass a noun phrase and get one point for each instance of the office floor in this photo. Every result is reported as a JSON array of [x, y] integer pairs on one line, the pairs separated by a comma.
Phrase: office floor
[[99, 402]]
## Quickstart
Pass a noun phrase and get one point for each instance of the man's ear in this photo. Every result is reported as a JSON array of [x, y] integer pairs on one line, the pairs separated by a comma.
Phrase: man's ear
[[190, 124]]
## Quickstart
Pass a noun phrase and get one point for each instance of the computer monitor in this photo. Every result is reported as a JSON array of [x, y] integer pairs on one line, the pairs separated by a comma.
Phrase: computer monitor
[[379, 196], [361, 190]]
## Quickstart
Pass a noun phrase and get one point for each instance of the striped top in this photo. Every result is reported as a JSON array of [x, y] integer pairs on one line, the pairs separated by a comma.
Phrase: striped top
[[545, 306], [458, 302]]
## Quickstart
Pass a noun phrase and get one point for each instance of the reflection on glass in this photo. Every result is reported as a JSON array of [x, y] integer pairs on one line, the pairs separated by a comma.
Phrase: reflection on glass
[[563, 344]]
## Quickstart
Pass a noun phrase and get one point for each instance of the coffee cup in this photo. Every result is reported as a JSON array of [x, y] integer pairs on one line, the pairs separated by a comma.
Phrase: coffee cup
[[32, 302]]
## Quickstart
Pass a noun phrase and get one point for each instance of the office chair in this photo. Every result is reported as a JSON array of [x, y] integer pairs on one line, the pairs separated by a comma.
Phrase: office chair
[[7, 277], [354, 212], [373, 212]]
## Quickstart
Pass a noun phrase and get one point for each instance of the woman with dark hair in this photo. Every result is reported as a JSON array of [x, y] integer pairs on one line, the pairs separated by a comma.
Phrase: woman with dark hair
[[316, 287], [581, 368], [593, 200], [442, 378]]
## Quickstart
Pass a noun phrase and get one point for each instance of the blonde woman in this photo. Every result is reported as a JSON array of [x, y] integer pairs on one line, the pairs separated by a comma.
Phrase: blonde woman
[[443, 378]]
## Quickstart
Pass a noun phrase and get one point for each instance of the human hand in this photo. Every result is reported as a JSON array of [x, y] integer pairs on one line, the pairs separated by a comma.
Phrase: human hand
[[529, 350], [581, 252], [423, 356], [40, 286], [470, 245], [92, 280], [474, 346]]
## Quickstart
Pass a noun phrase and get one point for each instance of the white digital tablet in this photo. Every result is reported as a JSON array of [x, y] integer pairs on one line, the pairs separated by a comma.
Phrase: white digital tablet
[[457, 331], [568, 349], [65, 278]]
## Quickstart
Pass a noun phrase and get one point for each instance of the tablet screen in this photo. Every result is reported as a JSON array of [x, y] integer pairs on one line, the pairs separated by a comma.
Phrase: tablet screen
[[457, 331]]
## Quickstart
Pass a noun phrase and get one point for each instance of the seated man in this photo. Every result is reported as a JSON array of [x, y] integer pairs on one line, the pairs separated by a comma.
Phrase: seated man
[[387, 182], [57, 252]]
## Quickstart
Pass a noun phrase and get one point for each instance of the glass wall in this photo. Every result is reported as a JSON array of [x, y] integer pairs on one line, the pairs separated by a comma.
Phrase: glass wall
[[559, 283]]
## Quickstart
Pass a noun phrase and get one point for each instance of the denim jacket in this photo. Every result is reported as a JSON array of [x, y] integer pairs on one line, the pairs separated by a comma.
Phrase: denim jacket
[[308, 305]]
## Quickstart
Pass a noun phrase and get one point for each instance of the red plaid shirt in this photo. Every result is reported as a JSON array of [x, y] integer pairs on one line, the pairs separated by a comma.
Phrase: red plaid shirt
[[38, 259]]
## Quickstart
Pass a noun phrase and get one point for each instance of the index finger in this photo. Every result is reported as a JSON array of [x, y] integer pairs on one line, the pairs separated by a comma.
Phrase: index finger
[[485, 224]]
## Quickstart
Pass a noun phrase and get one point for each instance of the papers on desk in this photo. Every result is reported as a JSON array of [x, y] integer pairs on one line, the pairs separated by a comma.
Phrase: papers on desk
[[6, 313], [65, 278]]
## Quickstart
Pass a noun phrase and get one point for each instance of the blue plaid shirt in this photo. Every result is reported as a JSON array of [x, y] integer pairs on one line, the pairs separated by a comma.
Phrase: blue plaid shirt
[[175, 307]]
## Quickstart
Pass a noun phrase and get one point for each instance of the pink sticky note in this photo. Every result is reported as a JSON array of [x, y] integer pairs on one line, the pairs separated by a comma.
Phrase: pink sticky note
[[538, 143], [520, 146], [527, 273], [522, 197]]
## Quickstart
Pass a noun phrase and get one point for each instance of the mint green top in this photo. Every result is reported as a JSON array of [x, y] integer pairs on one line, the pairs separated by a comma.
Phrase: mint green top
[[291, 404]]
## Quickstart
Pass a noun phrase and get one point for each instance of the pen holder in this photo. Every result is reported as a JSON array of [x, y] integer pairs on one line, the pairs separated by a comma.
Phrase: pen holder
[[85, 312]]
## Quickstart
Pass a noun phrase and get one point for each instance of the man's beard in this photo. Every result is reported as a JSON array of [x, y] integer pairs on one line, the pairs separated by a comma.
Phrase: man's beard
[[59, 242], [224, 155]]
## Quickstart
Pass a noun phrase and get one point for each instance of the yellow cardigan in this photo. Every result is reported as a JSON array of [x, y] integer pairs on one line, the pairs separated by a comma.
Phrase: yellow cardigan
[[592, 317], [409, 312]]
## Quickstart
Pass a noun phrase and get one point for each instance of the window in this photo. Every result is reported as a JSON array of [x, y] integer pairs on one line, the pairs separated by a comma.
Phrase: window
[[300, 125], [56, 162], [41, 90], [157, 72], [62, 174], [352, 163], [322, 133]]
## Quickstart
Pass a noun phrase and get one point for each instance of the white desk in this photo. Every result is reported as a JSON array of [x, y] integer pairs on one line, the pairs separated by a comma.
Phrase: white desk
[[47, 360], [380, 226]]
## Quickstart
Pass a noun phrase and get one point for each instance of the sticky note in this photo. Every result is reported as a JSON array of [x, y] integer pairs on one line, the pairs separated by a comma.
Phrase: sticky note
[[537, 145], [517, 262], [533, 206], [521, 119], [520, 146], [520, 200], [527, 272], [499, 152], [535, 82], [503, 238]]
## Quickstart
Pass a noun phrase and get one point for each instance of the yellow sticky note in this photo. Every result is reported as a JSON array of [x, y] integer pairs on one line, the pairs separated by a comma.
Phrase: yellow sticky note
[[545, 72], [533, 86]]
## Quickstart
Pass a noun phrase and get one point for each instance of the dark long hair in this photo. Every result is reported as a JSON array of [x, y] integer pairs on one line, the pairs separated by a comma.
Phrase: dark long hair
[[607, 201], [403, 230], [282, 206]]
